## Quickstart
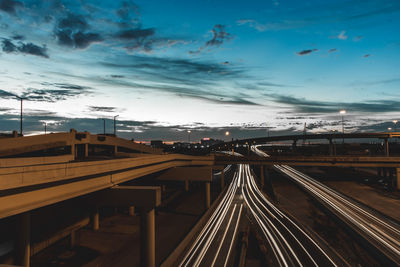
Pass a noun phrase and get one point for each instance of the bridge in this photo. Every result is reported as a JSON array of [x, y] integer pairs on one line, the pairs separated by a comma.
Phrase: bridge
[[30, 180]]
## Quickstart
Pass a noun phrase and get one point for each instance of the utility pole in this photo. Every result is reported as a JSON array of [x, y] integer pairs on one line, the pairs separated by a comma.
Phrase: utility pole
[[20, 131], [45, 128], [104, 126]]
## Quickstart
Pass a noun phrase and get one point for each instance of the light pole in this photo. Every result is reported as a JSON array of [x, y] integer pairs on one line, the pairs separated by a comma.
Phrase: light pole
[[342, 112], [45, 127], [104, 126], [389, 129], [189, 131], [395, 124], [115, 127], [227, 133], [20, 131]]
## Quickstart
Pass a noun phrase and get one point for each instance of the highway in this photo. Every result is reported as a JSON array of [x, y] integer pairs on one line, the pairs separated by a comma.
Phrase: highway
[[381, 233], [291, 246]]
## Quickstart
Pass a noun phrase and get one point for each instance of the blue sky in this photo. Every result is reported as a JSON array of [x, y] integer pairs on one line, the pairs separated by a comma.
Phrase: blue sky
[[168, 66]]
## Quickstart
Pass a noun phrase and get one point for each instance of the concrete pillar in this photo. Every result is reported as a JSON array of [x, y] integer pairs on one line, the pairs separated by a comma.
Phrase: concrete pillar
[[222, 179], [131, 211], [208, 195], [187, 185], [398, 178], [86, 150], [95, 220], [147, 238], [386, 147], [73, 152], [23, 246], [163, 188], [72, 239], [262, 176]]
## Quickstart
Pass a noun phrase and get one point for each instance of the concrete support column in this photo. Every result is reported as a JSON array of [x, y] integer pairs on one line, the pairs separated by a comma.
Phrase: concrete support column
[[86, 150], [147, 238], [95, 220], [262, 176], [23, 248], [115, 150], [131, 211], [163, 188], [398, 178], [208, 195], [187, 185], [72, 239], [386, 147], [222, 179], [73, 150]]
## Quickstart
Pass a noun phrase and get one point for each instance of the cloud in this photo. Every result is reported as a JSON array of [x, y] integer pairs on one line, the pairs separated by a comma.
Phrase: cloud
[[32, 49], [8, 46], [60, 92], [367, 55], [72, 31], [358, 38], [138, 38], [102, 109], [10, 6], [26, 48], [6, 94], [342, 35], [219, 36], [332, 50], [312, 106], [129, 14], [306, 52]]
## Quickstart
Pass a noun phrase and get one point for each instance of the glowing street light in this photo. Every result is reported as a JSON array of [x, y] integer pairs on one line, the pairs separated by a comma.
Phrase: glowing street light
[[189, 131], [395, 124], [389, 129]]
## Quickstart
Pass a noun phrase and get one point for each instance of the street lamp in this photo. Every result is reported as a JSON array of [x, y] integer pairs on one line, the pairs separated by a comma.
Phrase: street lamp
[[342, 112], [395, 124], [227, 133], [45, 127], [389, 129], [21, 98], [189, 131], [115, 127]]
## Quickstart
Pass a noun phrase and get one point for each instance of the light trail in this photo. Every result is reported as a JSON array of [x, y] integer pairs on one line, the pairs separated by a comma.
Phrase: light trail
[[382, 234], [291, 246]]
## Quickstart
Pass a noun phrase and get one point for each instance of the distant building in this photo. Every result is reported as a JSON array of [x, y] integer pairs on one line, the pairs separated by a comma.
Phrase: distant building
[[207, 142], [156, 143]]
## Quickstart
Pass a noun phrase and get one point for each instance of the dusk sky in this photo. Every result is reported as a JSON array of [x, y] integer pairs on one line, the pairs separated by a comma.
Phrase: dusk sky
[[168, 66]]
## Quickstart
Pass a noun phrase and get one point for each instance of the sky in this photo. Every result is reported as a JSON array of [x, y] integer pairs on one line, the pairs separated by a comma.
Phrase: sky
[[165, 67]]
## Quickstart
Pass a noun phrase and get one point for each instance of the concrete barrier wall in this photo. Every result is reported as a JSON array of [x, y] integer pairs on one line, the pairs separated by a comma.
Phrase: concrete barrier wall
[[16, 162]]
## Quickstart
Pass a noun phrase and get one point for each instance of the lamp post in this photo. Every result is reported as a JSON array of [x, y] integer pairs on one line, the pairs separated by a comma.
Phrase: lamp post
[[45, 127], [227, 133], [189, 131], [395, 124], [20, 131], [104, 126], [389, 129], [115, 127], [342, 112]]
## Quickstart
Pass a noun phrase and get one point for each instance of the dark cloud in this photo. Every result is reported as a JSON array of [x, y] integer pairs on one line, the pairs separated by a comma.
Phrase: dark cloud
[[117, 76], [102, 109], [366, 55], [136, 34], [129, 15], [311, 106], [332, 50], [219, 37], [72, 31], [306, 52], [8, 46], [10, 6], [26, 48], [18, 37], [138, 39], [6, 94], [60, 92], [32, 49]]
